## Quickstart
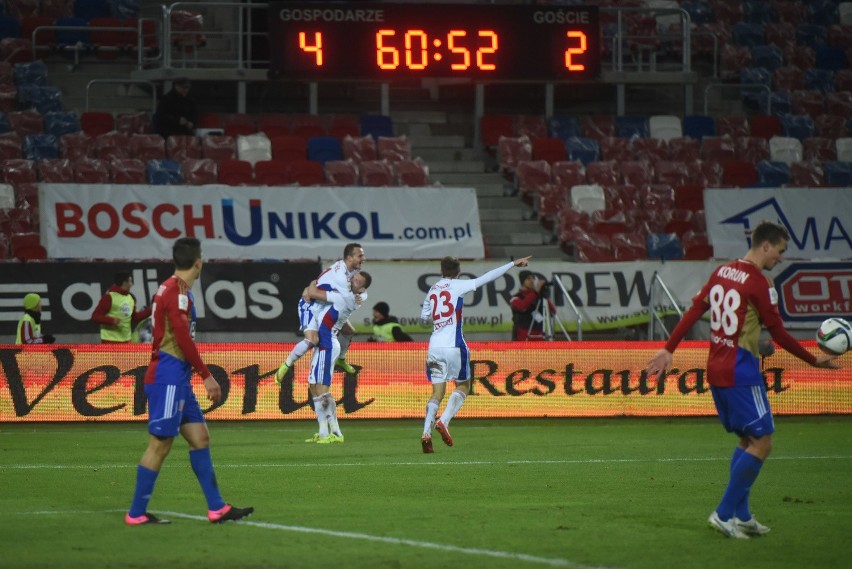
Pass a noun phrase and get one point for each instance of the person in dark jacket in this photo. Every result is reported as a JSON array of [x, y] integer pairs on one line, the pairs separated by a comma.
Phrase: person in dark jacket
[[527, 317], [386, 328], [177, 112]]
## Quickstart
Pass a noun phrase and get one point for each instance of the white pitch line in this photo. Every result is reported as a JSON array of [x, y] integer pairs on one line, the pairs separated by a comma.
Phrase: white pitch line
[[412, 463]]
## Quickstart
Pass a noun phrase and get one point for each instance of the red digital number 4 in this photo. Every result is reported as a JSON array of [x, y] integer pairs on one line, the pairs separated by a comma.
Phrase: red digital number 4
[[315, 48]]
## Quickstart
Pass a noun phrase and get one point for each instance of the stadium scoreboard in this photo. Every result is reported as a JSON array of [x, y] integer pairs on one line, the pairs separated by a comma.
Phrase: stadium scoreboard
[[334, 40]]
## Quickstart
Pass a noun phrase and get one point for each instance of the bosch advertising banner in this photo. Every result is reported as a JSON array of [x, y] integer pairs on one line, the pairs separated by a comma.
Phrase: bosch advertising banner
[[116, 222], [235, 297], [819, 220], [540, 379]]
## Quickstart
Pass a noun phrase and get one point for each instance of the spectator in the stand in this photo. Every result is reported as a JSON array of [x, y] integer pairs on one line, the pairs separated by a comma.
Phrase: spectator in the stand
[[528, 310], [116, 312], [386, 328], [177, 113], [29, 326]]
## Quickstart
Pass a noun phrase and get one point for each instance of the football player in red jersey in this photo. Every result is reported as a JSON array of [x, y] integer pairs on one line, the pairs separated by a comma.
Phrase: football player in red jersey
[[741, 298]]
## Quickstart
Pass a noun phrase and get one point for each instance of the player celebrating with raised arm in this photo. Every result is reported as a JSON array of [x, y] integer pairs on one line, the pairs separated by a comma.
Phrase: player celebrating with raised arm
[[339, 306], [740, 297], [336, 277], [449, 358], [172, 406]]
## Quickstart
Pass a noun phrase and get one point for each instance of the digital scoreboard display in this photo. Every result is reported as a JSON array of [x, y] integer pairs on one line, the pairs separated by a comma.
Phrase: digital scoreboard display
[[357, 40]]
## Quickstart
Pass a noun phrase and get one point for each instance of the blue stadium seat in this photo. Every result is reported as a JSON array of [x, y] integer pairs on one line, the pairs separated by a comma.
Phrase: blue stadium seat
[[631, 126], [767, 56], [88, 9], [163, 172], [838, 173], [124, 9], [40, 146], [777, 103], [700, 11], [376, 126], [758, 12], [583, 149], [811, 35], [822, 12], [699, 126], [798, 126], [58, 123], [821, 80], [9, 27], [324, 148], [664, 246], [832, 58], [46, 99], [5, 126], [31, 73], [773, 174], [563, 127], [748, 35]]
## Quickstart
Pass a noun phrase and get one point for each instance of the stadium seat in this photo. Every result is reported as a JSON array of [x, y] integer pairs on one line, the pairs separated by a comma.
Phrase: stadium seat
[[664, 246], [844, 149], [128, 171], [111, 145], [628, 246], [531, 126], [27, 247], [603, 173], [563, 127], [393, 148], [568, 173], [273, 125], [254, 148], [785, 149], [8, 98], [665, 127], [341, 173], [733, 126], [74, 146], [163, 172], [588, 198], [238, 124], [830, 58], [636, 172], [40, 146], [807, 175], [821, 80], [492, 127], [752, 149], [748, 34], [592, 248], [376, 126], [10, 146], [307, 126], [236, 172], [769, 57], [187, 36], [549, 149], [19, 171], [530, 175], [324, 148], [55, 171], [738, 174], [830, 126], [26, 122], [718, 148], [307, 173], [696, 246], [511, 151], [843, 77], [376, 173], [616, 148], [342, 125], [58, 123], [808, 103], [91, 171], [39, 34], [360, 148], [648, 149], [705, 172], [547, 203], [839, 104], [91, 9], [218, 147], [288, 147], [133, 123], [773, 174], [673, 173], [412, 173], [732, 60], [598, 126], [765, 126], [689, 196], [181, 147], [698, 126], [631, 126], [94, 123], [838, 174], [272, 173], [7, 201], [788, 78], [147, 147], [679, 221], [819, 149], [685, 149], [199, 171], [584, 150], [798, 126], [16, 50]]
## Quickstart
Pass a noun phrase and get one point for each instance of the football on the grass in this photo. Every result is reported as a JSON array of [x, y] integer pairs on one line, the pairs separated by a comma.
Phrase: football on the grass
[[834, 336]]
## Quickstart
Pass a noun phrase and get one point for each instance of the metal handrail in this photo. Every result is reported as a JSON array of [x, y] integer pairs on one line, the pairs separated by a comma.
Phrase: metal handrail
[[686, 30], [153, 86], [653, 317], [573, 306], [746, 87]]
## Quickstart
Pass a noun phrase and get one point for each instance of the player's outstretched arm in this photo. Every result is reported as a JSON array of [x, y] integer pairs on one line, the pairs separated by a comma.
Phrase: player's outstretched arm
[[659, 363], [523, 261]]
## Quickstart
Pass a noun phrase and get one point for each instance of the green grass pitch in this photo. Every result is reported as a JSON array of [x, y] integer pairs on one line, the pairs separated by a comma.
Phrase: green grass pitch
[[611, 493]]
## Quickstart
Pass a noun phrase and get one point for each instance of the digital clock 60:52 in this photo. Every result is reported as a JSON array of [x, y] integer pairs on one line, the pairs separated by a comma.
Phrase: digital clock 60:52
[[383, 41]]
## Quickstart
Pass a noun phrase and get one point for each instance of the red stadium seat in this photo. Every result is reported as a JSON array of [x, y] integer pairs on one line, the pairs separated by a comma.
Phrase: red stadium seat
[[603, 173], [733, 126], [147, 147], [91, 171], [236, 172], [341, 173], [637, 173], [359, 148], [739, 174], [689, 196], [181, 147], [19, 171], [219, 147], [26, 122], [272, 173], [27, 247], [57, 171], [765, 126], [394, 148], [718, 148], [307, 126], [807, 175], [94, 123], [670, 172], [752, 149], [76, 145], [111, 145], [307, 173], [493, 127], [273, 125], [568, 173], [199, 171], [819, 149], [549, 149], [376, 173], [530, 175], [238, 124], [289, 147], [341, 126], [127, 171], [511, 151], [10, 146], [413, 173]]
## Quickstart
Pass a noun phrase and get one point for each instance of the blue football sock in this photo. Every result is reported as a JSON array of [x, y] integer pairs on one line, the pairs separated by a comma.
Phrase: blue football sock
[[145, 480], [202, 465], [743, 474], [741, 510]]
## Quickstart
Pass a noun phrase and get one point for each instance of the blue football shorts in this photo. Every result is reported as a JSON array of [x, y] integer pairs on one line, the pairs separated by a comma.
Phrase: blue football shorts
[[169, 407], [322, 364], [744, 409]]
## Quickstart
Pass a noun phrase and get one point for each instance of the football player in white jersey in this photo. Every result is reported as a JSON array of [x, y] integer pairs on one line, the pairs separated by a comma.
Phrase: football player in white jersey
[[336, 277], [449, 358], [336, 308]]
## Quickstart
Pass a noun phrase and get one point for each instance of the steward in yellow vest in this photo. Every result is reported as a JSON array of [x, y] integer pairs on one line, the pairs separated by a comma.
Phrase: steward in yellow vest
[[116, 312], [386, 328], [29, 326]]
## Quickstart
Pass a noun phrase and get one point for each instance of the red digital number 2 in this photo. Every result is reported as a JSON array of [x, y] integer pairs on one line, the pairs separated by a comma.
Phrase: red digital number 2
[[442, 299]]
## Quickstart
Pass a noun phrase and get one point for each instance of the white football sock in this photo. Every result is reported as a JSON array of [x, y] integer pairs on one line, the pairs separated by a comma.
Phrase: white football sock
[[331, 415], [300, 350], [431, 411], [344, 342], [320, 409], [454, 403]]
